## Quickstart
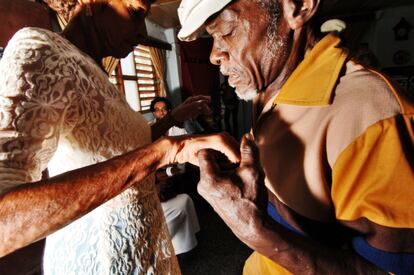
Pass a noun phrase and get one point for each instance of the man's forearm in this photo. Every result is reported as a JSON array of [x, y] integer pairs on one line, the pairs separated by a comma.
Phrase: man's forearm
[[34, 210], [161, 126]]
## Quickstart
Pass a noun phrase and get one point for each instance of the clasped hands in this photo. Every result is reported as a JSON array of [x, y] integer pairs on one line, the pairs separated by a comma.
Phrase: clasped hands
[[232, 181]]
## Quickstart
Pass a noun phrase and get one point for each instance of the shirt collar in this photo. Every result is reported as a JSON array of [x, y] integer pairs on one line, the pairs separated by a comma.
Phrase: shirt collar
[[313, 81]]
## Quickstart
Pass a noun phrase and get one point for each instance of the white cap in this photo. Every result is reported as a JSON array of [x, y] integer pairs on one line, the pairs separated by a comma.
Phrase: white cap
[[194, 13], [333, 25]]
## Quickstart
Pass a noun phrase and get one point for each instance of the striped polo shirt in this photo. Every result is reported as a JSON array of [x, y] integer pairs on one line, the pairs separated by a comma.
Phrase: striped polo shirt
[[336, 143]]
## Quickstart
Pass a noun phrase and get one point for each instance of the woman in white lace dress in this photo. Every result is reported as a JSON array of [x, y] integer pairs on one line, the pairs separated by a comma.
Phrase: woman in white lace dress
[[58, 110]]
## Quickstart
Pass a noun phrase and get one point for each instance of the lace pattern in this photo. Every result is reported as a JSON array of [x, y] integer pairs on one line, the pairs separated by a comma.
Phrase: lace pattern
[[58, 110]]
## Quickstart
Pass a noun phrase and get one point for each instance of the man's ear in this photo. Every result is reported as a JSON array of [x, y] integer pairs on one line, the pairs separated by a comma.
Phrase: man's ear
[[298, 12]]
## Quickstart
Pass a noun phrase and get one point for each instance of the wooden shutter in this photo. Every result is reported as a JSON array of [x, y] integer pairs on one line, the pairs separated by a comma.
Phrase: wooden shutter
[[145, 76], [148, 83]]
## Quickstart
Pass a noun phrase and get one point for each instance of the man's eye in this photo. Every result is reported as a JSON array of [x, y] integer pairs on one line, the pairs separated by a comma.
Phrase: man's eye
[[227, 29], [227, 33]]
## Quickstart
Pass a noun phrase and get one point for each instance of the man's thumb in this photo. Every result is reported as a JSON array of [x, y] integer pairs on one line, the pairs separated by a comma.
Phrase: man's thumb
[[249, 151], [207, 163]]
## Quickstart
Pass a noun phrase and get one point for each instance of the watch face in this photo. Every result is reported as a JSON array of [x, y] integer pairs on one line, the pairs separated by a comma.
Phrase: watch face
[[401, 57]]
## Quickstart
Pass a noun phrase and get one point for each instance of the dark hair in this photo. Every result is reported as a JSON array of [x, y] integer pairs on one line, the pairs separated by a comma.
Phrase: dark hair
[[64, 8], [272, 9], [160, 99]]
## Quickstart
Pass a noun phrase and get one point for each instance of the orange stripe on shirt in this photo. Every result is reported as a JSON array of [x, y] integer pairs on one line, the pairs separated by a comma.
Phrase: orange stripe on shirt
[[373, 177], [258, 264]]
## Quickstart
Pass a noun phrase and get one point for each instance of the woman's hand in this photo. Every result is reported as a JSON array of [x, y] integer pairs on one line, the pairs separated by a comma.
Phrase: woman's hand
[[181, 149]]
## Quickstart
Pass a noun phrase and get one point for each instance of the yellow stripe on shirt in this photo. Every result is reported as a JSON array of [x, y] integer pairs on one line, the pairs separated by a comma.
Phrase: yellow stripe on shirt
[[373, 177], [258, 264]]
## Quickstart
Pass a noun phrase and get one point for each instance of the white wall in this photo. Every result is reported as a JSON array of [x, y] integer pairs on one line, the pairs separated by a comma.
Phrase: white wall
[[155, 30], [173, 68], [130, 87]]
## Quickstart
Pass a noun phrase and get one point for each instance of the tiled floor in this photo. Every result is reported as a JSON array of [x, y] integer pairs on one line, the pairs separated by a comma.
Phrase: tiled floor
[[218, 251]]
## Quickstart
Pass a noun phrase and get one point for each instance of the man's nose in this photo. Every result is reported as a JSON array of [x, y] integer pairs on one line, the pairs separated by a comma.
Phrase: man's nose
[[217, 56]]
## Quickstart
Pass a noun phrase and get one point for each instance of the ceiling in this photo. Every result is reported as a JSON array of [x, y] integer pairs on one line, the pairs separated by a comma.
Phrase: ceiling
[[164, 12]]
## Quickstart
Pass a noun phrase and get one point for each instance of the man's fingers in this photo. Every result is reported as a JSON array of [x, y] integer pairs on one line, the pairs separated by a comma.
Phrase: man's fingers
[[195, 98], [249, 151], [228, 146], [192, 107], [203, 108], [207, 163], [209, 173], [223, 143]]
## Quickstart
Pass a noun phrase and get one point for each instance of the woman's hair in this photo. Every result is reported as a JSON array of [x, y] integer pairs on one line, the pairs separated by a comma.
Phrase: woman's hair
[[65, 8]]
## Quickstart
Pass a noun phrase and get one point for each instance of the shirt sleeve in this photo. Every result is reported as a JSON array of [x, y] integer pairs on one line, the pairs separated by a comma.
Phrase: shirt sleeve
[[33, 104], [373, 177]]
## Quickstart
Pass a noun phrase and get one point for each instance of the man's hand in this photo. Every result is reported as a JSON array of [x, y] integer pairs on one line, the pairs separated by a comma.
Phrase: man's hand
[[181, 149], [192, 107], [238, 195]]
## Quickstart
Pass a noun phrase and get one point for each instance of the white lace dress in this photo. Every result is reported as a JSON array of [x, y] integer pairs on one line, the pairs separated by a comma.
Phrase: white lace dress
[[58, 110]]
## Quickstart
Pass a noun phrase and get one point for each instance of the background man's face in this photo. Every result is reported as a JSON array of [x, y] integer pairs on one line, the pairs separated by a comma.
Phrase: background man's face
[[160, 110], [243, 47]]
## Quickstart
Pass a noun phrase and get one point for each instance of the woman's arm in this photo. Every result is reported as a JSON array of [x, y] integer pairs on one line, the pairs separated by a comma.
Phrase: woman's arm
[[34, 210]]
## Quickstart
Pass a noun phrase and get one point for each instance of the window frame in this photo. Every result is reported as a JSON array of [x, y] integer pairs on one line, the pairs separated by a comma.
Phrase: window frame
[[144, 72]]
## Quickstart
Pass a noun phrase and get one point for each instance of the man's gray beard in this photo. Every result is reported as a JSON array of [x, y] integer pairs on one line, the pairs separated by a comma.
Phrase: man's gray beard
[[273, 46], [248, 95]]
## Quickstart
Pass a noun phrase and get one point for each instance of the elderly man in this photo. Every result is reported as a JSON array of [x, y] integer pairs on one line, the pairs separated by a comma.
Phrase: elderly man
[[335, 142], [59, 110]]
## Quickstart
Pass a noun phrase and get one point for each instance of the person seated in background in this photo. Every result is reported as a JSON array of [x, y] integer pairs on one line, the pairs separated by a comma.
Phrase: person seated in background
[[160, 107], [59, 110], [191, 108], [178, 207], [180, 214]]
